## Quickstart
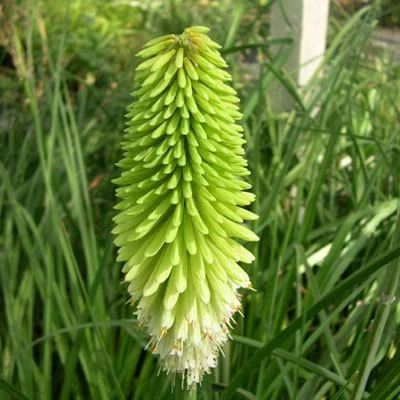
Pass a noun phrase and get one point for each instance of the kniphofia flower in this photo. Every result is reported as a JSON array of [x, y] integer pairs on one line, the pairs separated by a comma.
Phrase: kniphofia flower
[[182, 198]]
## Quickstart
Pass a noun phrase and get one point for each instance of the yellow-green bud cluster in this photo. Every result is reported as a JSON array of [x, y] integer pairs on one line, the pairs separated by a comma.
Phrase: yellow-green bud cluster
[[181, 201]]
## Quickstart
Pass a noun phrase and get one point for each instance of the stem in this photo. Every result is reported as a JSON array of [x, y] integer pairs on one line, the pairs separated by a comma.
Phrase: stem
[[389, 290], [191, 394]]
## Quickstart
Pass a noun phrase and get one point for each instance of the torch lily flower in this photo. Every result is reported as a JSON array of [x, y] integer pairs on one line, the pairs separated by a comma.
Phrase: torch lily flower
[[182, 198]]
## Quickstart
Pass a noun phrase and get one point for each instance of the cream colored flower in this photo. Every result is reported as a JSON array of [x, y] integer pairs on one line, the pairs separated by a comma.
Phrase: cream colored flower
[[182, 198]]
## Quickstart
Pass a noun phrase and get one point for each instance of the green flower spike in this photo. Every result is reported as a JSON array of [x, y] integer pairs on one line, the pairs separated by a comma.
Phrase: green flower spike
[[181, 202]]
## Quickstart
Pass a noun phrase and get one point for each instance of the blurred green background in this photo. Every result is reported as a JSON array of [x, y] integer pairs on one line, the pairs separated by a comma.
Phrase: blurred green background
[[324, 322]]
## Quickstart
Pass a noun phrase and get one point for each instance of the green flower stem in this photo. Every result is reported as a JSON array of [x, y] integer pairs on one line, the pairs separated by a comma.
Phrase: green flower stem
[[191, 394]]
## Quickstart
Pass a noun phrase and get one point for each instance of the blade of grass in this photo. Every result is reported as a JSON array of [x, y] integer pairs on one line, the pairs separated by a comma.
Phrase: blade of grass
[[11, 390], [389, 290], [333, 296]]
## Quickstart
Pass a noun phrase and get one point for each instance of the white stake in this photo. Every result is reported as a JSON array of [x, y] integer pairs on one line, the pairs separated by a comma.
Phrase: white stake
[[306, 22]]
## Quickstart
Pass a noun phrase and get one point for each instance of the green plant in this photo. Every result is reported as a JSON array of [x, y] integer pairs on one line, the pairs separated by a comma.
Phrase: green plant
[[322, 322]]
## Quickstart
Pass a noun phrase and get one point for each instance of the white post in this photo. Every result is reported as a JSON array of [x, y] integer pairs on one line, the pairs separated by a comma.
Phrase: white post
[[306, 22]]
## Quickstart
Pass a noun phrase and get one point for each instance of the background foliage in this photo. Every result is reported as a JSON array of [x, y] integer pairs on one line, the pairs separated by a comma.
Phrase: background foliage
[[324, 322]]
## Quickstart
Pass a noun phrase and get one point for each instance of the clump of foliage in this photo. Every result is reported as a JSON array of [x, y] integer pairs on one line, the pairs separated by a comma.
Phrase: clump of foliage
[[324, 319]]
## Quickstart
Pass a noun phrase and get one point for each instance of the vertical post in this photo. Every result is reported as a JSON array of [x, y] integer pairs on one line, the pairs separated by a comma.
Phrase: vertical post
[[306, 22]]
